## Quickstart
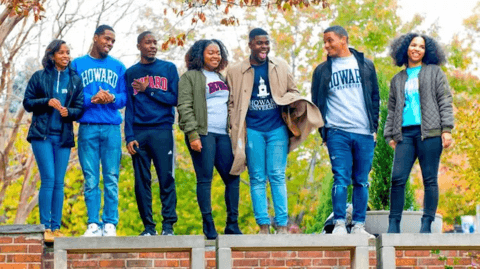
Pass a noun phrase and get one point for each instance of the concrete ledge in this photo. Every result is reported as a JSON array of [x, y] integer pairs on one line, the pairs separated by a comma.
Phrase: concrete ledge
[[388, 243], [195, 244], [21, 229], [357, 244]]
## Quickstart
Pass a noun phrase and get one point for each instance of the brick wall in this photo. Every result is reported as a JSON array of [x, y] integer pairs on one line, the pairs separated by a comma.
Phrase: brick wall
[[241, 260], [406, 259], [21, 246], [420, 259]]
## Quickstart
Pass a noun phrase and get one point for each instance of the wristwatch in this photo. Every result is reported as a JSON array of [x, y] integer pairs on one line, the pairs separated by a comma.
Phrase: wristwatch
[[114, 99]]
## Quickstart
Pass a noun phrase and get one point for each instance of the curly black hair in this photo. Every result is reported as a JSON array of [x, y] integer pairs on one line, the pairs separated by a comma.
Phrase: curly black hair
[[53, 47], [194, 57], [434, 53]]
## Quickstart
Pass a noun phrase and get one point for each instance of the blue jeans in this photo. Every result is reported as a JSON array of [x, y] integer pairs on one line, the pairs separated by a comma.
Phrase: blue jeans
[[428, 152], [351, 156], [267, 157], [100, 144], [52, 161]]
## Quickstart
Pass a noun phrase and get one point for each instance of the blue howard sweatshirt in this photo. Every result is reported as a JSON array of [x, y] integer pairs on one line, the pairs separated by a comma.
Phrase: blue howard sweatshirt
[[108, 74], [153, 108]]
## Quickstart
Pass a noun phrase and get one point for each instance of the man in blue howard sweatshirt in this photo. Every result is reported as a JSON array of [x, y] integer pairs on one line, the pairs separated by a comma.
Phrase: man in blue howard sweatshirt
[[152, 86], [99, 136]]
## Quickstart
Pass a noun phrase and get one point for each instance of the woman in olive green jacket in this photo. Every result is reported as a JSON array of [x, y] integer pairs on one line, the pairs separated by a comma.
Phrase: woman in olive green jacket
[[203, 115]]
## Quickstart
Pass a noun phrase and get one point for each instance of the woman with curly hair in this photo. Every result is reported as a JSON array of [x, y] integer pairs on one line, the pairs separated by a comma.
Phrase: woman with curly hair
[[55, 96], [203, 116], [419, 122]]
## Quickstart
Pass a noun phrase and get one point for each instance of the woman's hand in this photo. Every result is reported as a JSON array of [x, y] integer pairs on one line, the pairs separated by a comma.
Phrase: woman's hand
[[446, 139], [196, 145], [55, 104], [392, 144], [63, 111]]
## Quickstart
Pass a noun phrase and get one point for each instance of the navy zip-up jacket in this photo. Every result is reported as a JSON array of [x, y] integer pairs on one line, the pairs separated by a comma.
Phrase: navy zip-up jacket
[[321, 79], [39, 92], [154, 108]]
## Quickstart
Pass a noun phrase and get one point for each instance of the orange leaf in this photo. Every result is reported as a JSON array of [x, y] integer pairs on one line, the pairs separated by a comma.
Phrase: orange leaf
[[226, 10]]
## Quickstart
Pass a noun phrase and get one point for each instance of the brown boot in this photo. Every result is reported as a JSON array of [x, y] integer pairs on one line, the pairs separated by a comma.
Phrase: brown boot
[[57, 233], [282, 230], [48, 236], [264, 229]]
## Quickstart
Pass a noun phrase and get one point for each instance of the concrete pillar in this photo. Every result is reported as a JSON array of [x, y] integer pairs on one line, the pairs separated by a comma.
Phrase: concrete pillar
[[385, 257], [359, 258], [60, 259], [197, 258], [224, 258]]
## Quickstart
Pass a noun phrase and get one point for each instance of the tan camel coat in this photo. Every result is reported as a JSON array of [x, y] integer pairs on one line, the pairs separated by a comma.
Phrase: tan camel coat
[[284, 92]]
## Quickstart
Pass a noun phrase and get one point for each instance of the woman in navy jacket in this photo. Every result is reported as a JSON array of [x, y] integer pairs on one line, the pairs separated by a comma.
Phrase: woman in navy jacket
[[55, 96]]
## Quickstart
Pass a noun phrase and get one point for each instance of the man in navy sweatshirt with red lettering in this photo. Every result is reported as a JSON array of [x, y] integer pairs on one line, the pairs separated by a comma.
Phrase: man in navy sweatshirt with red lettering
[[152, 86]]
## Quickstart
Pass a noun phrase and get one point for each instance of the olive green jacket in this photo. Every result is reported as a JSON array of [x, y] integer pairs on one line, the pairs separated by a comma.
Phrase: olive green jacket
[[192, 104]]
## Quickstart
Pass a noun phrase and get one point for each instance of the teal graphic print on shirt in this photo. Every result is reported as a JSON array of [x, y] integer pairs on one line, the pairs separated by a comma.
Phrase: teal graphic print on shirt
[[411, 111]]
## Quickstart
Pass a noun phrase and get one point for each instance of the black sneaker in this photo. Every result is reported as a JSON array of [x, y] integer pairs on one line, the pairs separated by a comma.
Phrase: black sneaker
[[167, 231], [148, 233]]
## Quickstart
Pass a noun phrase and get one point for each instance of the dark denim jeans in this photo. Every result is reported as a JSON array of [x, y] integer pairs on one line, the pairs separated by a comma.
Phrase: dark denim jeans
[[428, 152], [216, 151], [351, 156], [52, 161]]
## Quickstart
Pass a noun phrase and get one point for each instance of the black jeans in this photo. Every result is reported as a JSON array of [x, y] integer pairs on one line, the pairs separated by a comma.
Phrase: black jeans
[[428, 152], [156, 145], [216, 151]]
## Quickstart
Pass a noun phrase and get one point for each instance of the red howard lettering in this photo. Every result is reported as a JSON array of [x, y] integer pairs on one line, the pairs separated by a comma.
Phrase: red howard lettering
[[155, 82]]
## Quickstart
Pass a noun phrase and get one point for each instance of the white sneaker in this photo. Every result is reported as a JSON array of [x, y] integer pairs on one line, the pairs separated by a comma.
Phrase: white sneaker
[[340, 228], [109, 230], [93, 230], [359, 228]]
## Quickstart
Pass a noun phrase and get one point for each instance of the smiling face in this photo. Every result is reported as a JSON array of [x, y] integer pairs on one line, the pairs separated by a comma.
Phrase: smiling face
[[103, 43], [335, 45], [61, 58], [259, 49], [148, 49], [211, 57], [416, 51]]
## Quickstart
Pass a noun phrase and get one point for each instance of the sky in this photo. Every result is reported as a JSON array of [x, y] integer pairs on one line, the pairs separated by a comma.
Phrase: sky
[[449, 13]]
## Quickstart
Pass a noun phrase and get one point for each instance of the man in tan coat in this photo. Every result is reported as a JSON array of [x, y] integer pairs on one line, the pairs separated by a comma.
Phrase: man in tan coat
[[268, 118]]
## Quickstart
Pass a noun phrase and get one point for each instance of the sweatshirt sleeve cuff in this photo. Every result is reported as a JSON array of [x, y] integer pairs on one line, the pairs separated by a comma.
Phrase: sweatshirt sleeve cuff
[[446, 130], [192, 136]]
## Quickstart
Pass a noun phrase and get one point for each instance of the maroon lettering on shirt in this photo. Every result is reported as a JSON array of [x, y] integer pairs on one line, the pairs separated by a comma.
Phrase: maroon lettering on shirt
[[217, 86]]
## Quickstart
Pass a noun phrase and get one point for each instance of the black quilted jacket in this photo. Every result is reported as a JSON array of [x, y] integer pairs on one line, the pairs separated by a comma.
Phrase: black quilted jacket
[[435, 103]]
